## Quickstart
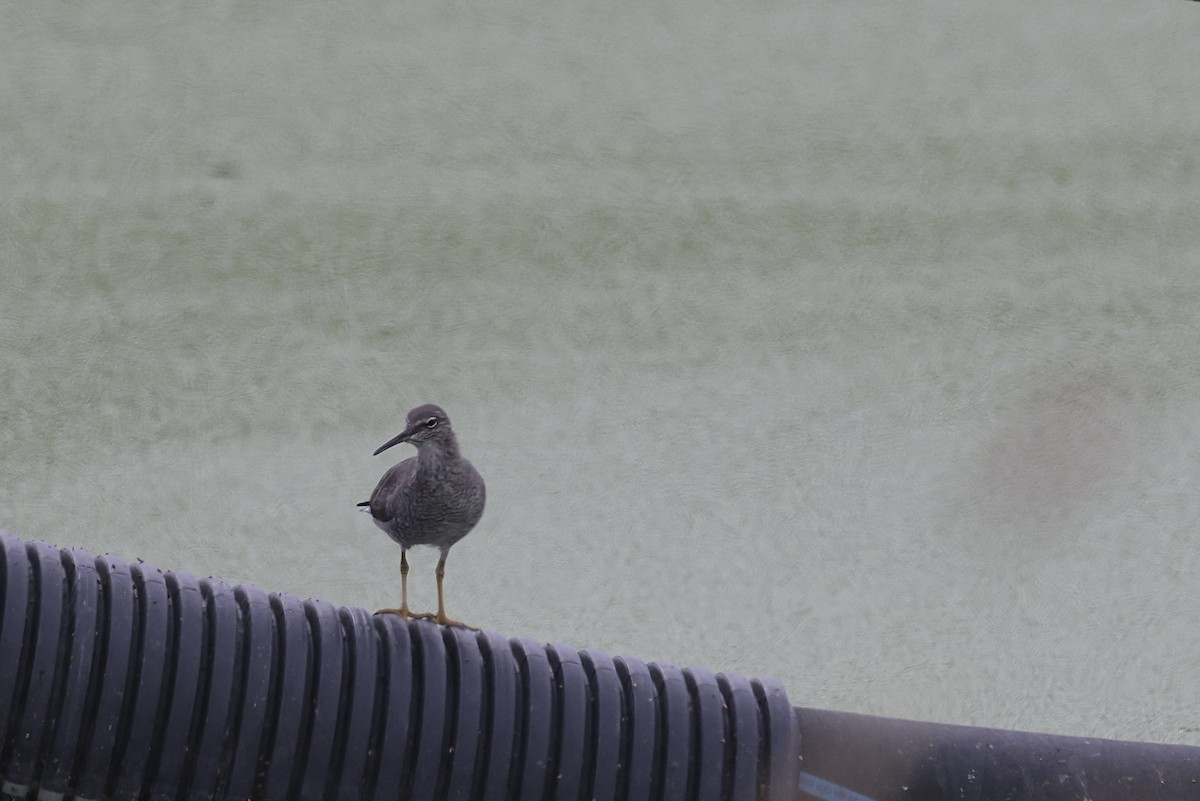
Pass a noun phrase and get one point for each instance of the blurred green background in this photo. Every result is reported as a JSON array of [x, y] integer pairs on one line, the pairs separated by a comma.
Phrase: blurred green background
[[849, 343]]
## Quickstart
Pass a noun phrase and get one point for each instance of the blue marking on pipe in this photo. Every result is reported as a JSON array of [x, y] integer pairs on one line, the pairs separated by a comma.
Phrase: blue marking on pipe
[[827, 790]]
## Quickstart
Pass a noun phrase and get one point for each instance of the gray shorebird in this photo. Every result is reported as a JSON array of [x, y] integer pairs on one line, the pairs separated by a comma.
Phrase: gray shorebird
[[434, 498]]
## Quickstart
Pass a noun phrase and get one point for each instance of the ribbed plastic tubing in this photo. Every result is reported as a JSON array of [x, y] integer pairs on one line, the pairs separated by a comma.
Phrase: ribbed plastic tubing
[[121, 681]]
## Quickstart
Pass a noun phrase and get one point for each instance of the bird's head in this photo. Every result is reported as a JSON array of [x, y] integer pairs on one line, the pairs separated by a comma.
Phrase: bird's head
[[426, 423]]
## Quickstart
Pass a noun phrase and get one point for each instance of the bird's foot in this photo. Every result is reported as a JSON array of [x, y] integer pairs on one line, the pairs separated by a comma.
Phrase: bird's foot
[[422, 616], [403, 612], [434, 617], [442, 620]]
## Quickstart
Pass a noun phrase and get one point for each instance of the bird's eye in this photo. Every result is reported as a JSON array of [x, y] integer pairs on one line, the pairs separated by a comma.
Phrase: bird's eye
[[431, 422]]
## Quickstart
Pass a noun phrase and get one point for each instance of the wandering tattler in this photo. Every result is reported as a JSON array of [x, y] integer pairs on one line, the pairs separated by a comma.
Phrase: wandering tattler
[[434, 498]]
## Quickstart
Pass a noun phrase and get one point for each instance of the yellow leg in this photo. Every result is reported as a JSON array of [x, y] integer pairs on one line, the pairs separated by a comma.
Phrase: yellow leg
[[441, 612], [403, 611]]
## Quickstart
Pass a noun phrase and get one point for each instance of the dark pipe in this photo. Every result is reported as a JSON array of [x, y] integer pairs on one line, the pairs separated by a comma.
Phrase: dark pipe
[[119, 681], [851, 757]]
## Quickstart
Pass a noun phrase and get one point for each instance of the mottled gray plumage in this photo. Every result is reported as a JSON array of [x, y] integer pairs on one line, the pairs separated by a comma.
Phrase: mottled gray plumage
[[434, 498]]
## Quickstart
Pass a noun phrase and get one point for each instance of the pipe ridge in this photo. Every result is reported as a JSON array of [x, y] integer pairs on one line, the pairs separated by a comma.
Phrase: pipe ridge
[[348, 690], [255, 692], [14, 620], [45, 756], [178, 722], [26, 585], [323, 711], [160, 725], [501, 714], [47, 671], [676, 752], [572, 755], [212, 732], [643, 770], [293, 678], [743, 733], [537, 710], [97, 744], [487, 716], [135, 740], [464, 752], [72, 715], [359, 684], [607, 726], [778, 770], [42, 636], [711, 749], [433, 701], [451, 706], [392, 772]]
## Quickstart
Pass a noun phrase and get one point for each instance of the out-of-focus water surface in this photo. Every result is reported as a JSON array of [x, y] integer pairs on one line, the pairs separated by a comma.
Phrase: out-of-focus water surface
[[851, 343]]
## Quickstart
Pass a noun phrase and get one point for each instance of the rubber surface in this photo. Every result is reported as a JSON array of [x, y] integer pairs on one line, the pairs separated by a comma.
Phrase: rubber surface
[[122, 681]]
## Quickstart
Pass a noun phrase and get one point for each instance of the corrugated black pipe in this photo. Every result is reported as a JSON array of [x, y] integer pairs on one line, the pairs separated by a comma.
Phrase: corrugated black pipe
[[119, 681]]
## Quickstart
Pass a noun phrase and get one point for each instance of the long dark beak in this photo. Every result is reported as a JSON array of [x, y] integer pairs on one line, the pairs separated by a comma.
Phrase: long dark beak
[[396, 440]]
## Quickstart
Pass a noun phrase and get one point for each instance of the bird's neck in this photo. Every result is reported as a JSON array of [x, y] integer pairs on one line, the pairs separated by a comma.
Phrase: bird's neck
[[434, 456]]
